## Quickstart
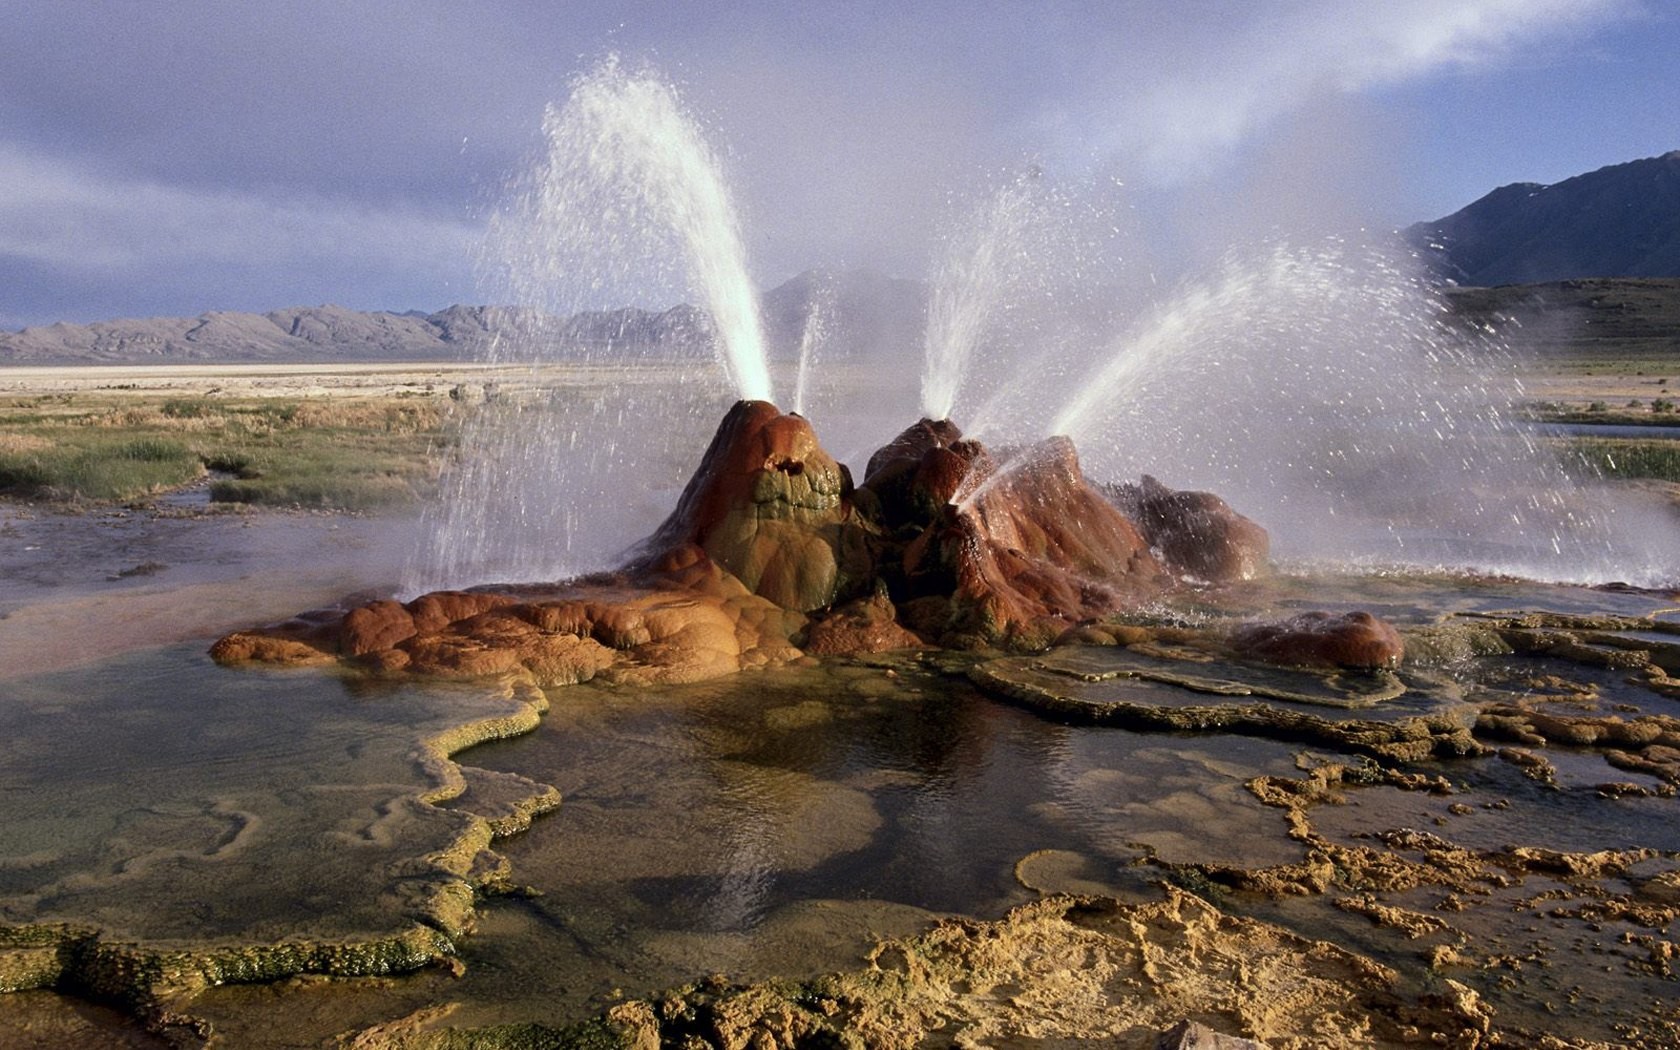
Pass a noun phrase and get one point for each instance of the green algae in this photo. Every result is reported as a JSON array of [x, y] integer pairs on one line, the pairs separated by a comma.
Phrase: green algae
[[136, 942], [793, 740]]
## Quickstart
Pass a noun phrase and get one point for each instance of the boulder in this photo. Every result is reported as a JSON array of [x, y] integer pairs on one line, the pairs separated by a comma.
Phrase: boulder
[[1196, 534], [1355, 640], [1193, 1035]]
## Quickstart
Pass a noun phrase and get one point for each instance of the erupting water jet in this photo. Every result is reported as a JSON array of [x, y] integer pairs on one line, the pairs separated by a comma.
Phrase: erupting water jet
[[1319, 388], [628, 199]]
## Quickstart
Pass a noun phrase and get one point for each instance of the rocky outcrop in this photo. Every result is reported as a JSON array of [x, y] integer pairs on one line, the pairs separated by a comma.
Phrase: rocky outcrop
[[1021, 551], [685, 622], [904, 497], [770, 545], [1355, 640], [868, 625], [771, 507], [1196, 534], [987, 553]]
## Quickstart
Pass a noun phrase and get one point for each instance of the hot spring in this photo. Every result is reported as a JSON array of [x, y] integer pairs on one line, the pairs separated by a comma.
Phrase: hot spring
[[343, 849], [1318, 387]]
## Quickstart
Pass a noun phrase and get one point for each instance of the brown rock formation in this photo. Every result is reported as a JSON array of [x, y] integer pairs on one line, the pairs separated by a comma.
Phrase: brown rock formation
[[952, 547], [868, 625], [1197, 534], [896, 468], [692, 623], [1031, 549], [1355, 640], [769, 506]]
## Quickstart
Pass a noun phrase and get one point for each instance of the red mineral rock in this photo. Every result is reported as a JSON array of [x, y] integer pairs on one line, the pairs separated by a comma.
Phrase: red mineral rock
[[769, 506], [1197, 534], [1031, 549], [896, 467], [867, 625], [941, 543], [1354, 640]]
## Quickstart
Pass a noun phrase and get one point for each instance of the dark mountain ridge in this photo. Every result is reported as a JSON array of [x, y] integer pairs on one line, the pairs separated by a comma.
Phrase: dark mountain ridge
[[1619, 221]]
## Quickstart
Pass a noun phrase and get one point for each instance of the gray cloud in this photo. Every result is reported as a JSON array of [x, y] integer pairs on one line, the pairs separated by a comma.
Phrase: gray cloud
[[169, 155], [222, 248]]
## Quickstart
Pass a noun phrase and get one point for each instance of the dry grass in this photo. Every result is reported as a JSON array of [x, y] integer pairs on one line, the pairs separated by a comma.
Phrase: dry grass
[[342, 452]]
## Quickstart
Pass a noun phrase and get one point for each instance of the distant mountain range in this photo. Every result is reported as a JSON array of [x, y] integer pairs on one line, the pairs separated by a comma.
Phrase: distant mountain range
[[1620, 221], [317, 334], [871, 312]]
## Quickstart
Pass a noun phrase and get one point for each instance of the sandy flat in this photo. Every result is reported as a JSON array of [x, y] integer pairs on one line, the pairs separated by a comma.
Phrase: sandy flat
[[242, 380], [368, 379]]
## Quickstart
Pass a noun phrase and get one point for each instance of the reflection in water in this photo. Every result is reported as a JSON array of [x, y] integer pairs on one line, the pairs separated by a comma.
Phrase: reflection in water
[[773, 823], [768, 824]]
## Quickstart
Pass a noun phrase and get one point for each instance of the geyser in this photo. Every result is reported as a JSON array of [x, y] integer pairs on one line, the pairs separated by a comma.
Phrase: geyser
[[771, 547], [1021, 289], [560, 470], [628, 175], [1321, 390], [1325, 391], [982, 259]]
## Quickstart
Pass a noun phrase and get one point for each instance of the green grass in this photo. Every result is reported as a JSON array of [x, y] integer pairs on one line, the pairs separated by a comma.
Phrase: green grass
[[1628, 458], [340, 453], [100, 470], [1661, 415]]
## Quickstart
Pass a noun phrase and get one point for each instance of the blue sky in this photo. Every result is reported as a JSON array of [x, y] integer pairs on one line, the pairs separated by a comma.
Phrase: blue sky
[[190, 156]]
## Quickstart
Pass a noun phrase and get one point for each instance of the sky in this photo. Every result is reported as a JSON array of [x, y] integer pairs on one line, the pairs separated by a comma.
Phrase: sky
[[171, 158]]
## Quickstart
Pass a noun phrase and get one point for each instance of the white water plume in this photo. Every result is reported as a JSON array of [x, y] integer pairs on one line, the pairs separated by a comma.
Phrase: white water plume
[[585, 437], [1324, 393], [631, 199], [819, 320], [983, 257]]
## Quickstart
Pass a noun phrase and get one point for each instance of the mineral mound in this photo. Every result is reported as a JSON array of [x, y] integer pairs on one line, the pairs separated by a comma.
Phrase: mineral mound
[[772, 548]]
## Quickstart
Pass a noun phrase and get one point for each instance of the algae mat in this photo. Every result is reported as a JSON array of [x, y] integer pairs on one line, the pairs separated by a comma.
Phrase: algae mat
[[169, 825]]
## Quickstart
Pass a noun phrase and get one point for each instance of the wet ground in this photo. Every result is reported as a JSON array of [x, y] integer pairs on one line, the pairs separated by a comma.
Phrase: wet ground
[[780, 823], [81, 587]]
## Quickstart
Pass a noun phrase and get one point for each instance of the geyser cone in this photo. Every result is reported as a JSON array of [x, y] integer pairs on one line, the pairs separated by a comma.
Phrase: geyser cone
[[1034, 549], [897, 477], [771, 507], [1196, 534]]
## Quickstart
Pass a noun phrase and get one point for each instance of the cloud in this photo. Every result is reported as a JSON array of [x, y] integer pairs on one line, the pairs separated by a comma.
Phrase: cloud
[[312, 150], [1210, 89], [185, 245]]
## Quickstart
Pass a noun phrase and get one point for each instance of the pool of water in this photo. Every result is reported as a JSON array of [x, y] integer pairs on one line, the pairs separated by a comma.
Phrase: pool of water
[[168, 800], [770, 823]]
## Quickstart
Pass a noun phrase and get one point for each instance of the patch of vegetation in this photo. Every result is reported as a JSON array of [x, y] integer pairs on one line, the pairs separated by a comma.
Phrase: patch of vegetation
[[353, 453], [101, 469], [1612, 322], [1660, 413], [1628, 458]]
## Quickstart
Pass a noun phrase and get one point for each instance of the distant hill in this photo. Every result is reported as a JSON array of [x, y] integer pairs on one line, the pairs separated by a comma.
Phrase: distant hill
[[1619, 221], [869, 312], [300, 334]]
